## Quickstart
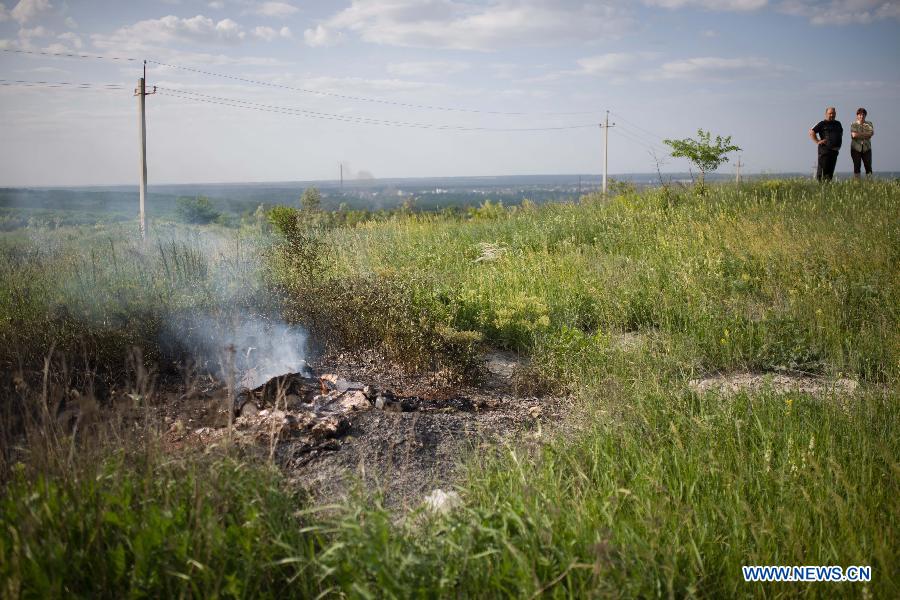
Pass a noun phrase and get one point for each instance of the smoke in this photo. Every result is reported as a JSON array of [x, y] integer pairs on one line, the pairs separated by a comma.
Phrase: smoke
[[351, 174], [243, 348], [191, 297], [237, 335]]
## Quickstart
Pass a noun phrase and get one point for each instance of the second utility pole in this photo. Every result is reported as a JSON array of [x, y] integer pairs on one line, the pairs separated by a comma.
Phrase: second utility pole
[[606, 127], [141, 93]]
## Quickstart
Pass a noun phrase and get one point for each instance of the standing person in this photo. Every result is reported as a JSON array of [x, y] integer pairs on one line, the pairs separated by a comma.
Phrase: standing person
[[861, 132], [827, 135]]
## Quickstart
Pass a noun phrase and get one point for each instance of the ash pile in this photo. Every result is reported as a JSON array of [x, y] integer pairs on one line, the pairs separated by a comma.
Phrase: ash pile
[[302, 408]]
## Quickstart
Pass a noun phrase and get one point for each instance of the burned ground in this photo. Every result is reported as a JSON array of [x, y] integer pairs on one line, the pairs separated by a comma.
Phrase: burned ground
[[359, 419]]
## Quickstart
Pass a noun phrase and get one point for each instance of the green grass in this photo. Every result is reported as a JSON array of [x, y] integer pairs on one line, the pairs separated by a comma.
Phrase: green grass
[[647, 489], [777, 274], [139, 527], [99, 290]]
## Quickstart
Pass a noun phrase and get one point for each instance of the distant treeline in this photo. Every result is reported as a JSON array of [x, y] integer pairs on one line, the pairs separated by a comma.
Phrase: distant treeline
[[24, 207]]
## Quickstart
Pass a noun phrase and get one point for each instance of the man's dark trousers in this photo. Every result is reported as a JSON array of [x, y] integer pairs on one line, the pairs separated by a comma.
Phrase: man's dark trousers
[[827, 162]]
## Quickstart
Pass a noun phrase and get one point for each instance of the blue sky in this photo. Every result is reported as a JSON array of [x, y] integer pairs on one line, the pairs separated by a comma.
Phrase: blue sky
[[762, 71]]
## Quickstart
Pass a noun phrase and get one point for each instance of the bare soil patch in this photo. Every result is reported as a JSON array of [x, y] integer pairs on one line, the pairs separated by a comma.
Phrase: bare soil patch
[[779, 383]]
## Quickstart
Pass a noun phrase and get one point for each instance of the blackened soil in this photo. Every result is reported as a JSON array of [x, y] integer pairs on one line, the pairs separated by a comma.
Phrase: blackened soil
[[406, 454]]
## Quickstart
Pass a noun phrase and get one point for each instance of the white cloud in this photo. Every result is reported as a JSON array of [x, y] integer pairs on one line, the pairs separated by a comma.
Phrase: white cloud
[[72, 38], [716, 69], [216, 4], [605, 64], [842, 12], [617, 67], [364, 87], [723, 5], [57, 48], [504, 70], [276, 9], [270, 33], [26, 37], [464, 25], [26, 10], [427, 68], [34, 32], [321, 36], [169, 29]]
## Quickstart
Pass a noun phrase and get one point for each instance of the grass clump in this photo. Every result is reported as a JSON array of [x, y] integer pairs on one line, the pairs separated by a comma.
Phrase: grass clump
[[360, 310], [138, 526]]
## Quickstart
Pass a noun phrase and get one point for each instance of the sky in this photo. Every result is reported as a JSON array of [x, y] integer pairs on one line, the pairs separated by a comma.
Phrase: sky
[[289, 90]]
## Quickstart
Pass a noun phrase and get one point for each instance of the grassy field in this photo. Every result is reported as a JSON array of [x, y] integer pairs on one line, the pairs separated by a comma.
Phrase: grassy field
[[647, 489]]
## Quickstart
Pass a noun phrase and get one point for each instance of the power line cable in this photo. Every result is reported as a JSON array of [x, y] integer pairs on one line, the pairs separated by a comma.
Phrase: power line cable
[[645, 140], [69, 54], [366, 98], [237, 103], [636, 126], [651, 147], [62, 84], [652, 140], [302, 90]]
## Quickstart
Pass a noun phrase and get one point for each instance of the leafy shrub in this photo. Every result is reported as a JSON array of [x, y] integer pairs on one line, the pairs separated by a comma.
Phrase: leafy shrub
[[197, 211], [285, 220], [488, 210], [311, 200]]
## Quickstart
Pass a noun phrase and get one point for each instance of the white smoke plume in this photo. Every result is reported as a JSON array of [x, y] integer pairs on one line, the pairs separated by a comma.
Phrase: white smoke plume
[[247, 349]]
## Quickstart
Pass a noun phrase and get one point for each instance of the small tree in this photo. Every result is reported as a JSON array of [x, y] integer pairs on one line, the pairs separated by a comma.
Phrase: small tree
[[311, 199], [703, 153], [198, 210]]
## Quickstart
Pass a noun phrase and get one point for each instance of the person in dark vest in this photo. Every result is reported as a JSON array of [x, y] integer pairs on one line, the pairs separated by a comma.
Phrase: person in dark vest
[[827, 135]]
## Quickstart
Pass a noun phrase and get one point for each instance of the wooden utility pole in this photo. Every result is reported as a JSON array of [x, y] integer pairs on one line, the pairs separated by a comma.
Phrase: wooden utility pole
[[141, 92], [606, 127], [738, 165]]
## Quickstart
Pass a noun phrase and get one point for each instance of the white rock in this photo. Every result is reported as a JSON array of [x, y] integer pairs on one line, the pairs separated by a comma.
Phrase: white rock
[[441, 502], [354, 400]]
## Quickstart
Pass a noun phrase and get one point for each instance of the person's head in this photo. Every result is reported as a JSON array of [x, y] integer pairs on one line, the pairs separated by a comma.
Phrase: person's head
[[861, 114], [830, 113]]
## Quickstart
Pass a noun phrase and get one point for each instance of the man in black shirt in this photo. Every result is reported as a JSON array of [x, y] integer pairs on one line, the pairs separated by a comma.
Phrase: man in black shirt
[[827, 135]]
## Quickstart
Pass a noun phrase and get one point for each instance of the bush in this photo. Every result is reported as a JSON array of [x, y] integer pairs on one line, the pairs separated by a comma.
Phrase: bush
[[311, 200], [197, 211]]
